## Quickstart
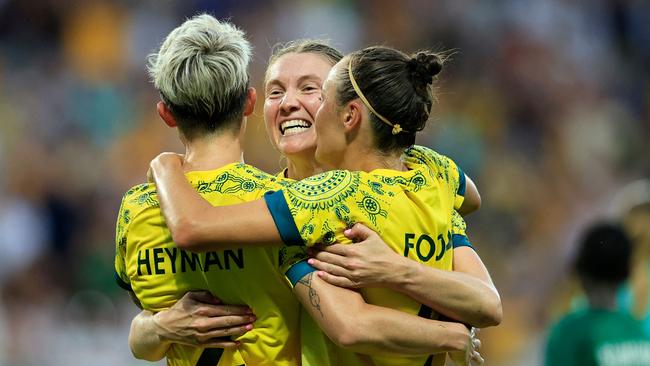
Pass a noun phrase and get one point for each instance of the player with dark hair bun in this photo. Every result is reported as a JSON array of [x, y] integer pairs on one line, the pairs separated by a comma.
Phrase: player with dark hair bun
[[397, 88]]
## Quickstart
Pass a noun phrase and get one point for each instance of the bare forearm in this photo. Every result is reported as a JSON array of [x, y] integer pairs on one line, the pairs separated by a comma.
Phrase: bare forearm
[[392, 332], [457, 295], [143, 339], [466, 294], [196, 225], [370, 329]]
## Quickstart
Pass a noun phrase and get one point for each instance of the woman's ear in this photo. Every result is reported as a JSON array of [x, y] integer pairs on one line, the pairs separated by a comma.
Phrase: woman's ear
[[353, 114], [165, 114], [251, 98]]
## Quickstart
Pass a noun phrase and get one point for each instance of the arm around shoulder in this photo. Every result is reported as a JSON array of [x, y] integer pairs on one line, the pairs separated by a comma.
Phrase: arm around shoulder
[[198, 226]]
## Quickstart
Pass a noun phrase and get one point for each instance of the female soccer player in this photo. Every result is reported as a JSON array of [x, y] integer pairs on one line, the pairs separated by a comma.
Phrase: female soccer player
[[351, 134], [176, 310]]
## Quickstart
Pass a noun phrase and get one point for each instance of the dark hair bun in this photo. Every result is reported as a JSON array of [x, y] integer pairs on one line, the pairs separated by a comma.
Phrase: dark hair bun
[[423, 66]]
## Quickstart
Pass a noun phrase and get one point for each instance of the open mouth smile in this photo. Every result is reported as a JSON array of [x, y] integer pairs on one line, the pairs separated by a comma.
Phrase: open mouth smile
[[294, 126]]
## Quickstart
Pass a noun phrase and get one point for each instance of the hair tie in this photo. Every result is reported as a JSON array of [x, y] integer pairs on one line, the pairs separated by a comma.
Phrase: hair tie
[[396, 127]]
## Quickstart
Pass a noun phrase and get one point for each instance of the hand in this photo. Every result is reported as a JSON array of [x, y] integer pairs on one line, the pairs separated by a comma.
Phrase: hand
[[166, 160], [470, 356], [368, 263], [199, 319]]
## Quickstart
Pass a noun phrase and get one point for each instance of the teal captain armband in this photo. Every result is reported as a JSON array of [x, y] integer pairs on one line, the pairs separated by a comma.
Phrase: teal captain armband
[[298, 271], [283, 219], [459, 240]]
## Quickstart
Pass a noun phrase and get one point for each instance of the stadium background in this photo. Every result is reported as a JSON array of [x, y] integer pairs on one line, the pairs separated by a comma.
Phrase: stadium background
[[546, 105]]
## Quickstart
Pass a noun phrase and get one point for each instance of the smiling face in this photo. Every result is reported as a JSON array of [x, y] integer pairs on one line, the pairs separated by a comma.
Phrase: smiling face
[[292, 97]]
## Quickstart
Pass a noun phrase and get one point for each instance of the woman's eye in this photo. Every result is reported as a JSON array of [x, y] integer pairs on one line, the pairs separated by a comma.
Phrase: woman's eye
[[274, 93], [310, 88]]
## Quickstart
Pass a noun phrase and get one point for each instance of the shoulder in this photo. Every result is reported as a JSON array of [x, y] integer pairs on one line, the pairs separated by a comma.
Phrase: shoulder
[[332, 185], [238, 178], [435, 161], [135, 201], [439, 166], [340, 185], [138, 198], [424, 155]]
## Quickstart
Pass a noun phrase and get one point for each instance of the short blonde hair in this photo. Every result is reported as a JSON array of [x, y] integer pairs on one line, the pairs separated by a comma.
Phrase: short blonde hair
[[201, 72]]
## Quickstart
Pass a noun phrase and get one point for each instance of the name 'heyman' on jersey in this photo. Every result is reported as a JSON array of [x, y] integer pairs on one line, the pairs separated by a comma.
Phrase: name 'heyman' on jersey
[[173, 260]]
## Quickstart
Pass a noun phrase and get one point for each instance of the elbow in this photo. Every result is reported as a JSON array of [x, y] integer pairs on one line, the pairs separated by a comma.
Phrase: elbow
[[471, 204], [142, 354], [497, 315], [356, 333], [492, 313], [475, 204], [185, 235], [146, 357], [349, 337]]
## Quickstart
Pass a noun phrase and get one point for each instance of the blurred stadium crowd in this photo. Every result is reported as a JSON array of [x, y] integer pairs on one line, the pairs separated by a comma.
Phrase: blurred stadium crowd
[[546, 105]]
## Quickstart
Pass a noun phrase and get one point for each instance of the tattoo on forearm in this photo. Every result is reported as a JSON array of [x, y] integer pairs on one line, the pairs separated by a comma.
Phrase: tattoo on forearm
[[313, 296]]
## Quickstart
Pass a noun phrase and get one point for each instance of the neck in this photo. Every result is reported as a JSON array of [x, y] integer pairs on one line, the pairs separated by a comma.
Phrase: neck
[[601, 296], [369, 158], [212, 152], [302, 165]]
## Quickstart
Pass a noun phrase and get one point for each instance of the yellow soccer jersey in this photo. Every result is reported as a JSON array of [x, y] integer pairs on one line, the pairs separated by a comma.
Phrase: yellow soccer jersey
[[412, 212], [149, 264]]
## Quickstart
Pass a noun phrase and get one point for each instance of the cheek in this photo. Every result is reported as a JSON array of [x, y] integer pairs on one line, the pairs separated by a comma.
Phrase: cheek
[[270, 111], [312, 104], [325, 131]]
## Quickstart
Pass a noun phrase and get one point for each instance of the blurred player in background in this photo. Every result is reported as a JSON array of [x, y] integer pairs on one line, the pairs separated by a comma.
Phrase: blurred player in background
[[600, 335], [634, 296]]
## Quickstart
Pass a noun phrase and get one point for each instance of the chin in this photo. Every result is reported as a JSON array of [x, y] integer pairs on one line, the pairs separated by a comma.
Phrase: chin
[[293, 149], [300, 144]]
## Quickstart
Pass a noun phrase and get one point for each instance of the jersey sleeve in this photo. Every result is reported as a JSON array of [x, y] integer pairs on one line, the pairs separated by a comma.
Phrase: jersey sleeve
[[442, 167], [458, 231], [318, 209], [293, 263], [462, 184], [121, 232]]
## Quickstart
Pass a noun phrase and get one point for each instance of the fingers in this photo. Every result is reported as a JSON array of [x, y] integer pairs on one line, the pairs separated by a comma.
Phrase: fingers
[[476, 358], [333, 274], [218, 343], [204, 297], [329, 263], [359, 232], [216, 332], [166, 158], [223, 310], [339, 249], [476, 344], [336, 280], [227, 332], [223, 323]]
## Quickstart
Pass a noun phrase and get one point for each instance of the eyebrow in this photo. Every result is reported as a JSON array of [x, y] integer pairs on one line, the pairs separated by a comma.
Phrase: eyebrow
[[300, 80]]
